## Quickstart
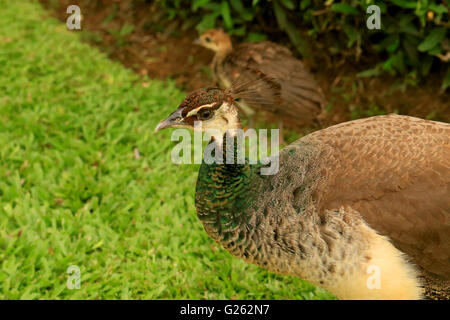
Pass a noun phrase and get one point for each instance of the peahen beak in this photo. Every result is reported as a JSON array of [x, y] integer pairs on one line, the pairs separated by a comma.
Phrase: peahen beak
[[197, 41], [174, 120]]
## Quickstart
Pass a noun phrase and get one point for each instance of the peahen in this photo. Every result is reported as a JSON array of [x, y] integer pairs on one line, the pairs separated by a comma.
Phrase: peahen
[[364, 198], [304, 99]]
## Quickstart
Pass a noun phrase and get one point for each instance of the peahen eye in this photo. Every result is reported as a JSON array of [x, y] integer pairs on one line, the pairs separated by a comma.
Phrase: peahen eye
[[204, 114], [208, 39]]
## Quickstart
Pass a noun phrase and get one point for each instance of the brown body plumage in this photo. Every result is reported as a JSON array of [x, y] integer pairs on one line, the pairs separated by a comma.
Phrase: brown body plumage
[[394, 171], [302, 98], [399, 172], [371, 195]]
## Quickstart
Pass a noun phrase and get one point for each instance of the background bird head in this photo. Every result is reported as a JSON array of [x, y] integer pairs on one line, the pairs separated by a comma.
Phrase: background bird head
[[216, 40]]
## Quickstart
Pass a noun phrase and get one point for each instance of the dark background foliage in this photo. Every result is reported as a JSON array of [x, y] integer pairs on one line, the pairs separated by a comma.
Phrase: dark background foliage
[[413, 39]]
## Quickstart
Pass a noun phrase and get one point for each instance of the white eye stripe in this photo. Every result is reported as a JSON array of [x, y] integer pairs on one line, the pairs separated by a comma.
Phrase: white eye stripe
[[193, 112]]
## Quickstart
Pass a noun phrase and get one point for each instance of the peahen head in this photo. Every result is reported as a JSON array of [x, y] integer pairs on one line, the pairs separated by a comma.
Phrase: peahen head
[[216, 109], [216, 40], [212, 107]]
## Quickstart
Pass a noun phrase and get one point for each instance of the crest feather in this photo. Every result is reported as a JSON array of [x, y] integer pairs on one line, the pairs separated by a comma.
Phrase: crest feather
[[256, 88]]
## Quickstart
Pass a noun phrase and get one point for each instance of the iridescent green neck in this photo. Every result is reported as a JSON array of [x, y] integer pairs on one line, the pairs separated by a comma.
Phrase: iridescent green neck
[[224, 193]]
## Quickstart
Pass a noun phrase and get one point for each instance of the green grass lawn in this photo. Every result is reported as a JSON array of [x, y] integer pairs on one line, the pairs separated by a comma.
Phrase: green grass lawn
[[73, 191]]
